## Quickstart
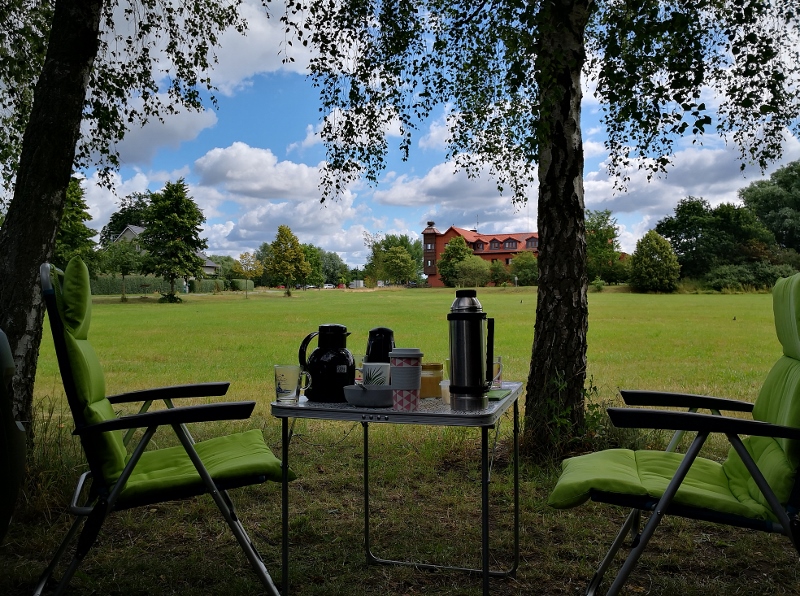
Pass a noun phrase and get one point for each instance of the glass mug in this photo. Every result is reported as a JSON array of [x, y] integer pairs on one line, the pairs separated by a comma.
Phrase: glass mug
[[288, 384], [497, 372]]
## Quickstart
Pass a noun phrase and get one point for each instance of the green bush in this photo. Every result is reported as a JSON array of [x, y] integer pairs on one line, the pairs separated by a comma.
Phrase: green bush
[[206, 286], [759, 276], [105, 285], [238, 284], [654, 266]]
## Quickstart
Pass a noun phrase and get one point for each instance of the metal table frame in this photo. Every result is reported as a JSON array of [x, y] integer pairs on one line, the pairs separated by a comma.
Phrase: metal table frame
[[432, 413]]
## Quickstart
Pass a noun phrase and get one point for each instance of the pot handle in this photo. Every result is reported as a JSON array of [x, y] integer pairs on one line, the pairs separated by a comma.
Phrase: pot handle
[[301, 354]]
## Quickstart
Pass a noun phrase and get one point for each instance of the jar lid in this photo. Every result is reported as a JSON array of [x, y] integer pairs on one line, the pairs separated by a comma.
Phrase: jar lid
[[432, 366], [406, 353]]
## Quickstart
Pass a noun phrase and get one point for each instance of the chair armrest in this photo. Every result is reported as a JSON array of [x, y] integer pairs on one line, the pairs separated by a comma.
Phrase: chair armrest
[[692, 421], [183, 415], [683, 400], [173, 392]]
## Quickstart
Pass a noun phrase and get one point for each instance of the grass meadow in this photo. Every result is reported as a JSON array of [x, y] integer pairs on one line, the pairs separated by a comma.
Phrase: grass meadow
[[425, 492]]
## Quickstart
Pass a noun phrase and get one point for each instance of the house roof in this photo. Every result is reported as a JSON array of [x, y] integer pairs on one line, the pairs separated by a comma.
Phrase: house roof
[[472, 236]]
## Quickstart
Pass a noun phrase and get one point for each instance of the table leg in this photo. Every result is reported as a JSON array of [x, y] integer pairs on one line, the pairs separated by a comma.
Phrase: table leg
[[485, 507], [285, 505], [370, 557]]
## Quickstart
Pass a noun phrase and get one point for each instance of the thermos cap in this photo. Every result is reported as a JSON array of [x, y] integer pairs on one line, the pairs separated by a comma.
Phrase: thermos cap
[[466, 301]]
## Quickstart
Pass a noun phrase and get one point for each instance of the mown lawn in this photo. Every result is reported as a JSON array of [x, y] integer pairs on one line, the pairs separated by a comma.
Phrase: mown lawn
[[425, 490]]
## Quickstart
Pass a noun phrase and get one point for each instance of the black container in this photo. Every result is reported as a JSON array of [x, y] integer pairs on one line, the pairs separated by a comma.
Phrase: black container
[[471, 346], [379, 343], [330, 365]]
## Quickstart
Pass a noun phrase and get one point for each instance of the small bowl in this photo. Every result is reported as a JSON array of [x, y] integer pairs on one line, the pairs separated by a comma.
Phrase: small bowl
[[374, 396]]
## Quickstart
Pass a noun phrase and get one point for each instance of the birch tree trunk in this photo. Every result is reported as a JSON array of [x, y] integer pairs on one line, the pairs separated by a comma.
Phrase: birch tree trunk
[[554, 409], [27, 237]]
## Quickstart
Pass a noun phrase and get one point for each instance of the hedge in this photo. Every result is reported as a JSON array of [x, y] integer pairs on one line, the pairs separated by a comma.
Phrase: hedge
[[206, 286], [134, 284], [238, 284]]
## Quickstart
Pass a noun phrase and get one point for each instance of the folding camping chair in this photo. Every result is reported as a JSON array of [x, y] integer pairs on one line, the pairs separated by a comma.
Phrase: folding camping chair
[[120, 480], [756, 487]]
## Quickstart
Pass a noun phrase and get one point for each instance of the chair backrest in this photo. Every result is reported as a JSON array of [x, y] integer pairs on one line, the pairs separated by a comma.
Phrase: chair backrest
[[68, 298], [777, 403]]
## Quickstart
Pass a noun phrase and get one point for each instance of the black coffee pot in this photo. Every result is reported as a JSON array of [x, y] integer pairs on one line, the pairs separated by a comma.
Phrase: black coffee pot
[[379, 343], [330, 365]]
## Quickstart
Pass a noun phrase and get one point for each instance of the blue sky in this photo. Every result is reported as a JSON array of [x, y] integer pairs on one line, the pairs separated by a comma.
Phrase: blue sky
[[252, 165]]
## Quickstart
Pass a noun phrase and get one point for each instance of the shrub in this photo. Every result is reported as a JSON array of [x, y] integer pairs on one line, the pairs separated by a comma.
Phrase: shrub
[[206, 286], [134, 284], [598, 284], [239, 284], [759, 276], [654, 265]]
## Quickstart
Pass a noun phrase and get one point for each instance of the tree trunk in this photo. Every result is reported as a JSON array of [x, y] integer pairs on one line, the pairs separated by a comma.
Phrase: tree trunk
[[554, 408], [27, 237]]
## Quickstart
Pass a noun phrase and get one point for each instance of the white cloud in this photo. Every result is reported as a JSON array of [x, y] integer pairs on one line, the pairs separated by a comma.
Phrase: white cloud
[[257, 173], [103, 202], [438, 134], [141, 144], [260, 50]]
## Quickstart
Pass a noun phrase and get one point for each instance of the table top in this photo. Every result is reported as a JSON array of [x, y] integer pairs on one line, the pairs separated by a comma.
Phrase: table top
[[432, 411]]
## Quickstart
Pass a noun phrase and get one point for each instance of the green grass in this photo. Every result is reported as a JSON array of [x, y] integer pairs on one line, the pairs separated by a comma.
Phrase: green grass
[[425, 498]]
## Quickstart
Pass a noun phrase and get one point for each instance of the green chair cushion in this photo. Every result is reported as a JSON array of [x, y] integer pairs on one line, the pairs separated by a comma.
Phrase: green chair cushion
[[164, 471], [647, 473]]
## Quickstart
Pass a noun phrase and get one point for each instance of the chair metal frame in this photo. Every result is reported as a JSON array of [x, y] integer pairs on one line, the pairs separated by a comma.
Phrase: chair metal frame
[[703, 424], [100, 499]]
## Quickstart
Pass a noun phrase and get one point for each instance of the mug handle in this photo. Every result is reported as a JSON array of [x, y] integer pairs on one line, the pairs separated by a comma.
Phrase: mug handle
[[300, 385], [499, 374]]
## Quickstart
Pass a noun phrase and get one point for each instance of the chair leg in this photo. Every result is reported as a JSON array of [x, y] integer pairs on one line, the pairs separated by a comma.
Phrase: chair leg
[[228, 512], [630, 526], [658, 513], [88, 536], [45, 577]]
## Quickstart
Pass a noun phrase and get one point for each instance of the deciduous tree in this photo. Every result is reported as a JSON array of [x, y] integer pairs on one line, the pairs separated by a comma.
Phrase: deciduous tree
[[68, 62], [455, 251], [249, 267], [132, 212], [776, 202], [525, 268], [511, 73], [122, 257], [473, 271], [171, 239], [499, 273], [399, 265], [654, 265], [602, 244], [287, 262], [74, 238]]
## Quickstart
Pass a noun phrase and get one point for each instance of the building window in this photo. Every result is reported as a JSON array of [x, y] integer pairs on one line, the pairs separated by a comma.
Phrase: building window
[[429, 263], [510, 244], [532, 243], [508, 261], [430, 246], [494, 244], [479, 246]]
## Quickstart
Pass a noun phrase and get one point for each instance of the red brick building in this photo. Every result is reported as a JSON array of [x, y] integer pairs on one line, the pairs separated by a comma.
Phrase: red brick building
[[490, 247]]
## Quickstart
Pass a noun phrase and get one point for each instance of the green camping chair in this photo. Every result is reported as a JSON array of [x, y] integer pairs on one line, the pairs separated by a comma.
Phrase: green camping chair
[[13, 443], [756, 487], [119, 479]]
